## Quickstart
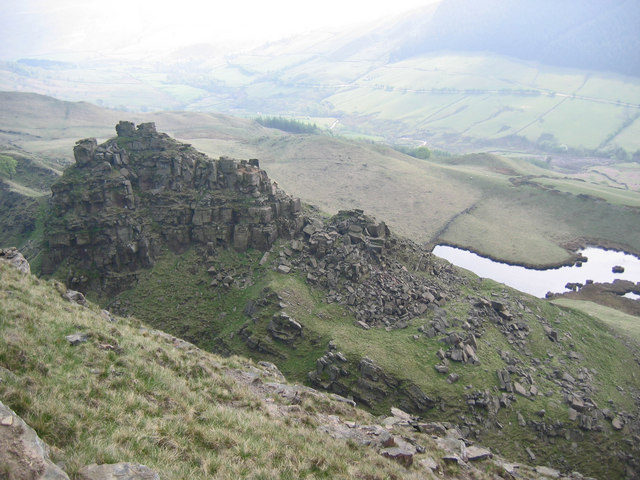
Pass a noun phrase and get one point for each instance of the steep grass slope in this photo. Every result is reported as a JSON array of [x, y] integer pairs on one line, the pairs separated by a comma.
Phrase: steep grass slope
[[352, 308], [133, 394], [586, 360]]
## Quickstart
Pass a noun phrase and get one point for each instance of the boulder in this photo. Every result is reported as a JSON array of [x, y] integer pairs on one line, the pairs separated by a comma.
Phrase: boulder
[[84, 151], [23, 455], [547, 472], [284, 328], [362, 325], [432, 428], [457, 354], [453, 378], [586, 422], [441, 368], [74, 297], [14, 258], [399, 450], [477, 453], [453, 445], [518, 388], [125, 129], [429, 464], [117, 471], [504, 379], [521, 421], [284, 269], [401, 455], [551, 333], [471, 354], [77, 338], [396, 412], [576, 402], [617, 423], [532, 456]]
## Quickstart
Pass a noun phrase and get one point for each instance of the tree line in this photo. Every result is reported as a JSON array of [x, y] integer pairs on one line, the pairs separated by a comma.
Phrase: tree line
[[287, 124]]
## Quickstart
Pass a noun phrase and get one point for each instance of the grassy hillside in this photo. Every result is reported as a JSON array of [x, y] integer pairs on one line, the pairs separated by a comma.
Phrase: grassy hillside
[[132, 394], [508, 208], [454, 99], [176, 296], [598, 35], [565, 365]]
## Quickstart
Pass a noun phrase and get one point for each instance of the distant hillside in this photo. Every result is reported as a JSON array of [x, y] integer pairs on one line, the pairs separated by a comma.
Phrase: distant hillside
[[596, 35], [471, 201], [461, 76]]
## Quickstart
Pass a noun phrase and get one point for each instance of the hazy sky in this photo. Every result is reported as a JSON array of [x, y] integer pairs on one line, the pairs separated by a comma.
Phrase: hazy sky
[[43, 27]]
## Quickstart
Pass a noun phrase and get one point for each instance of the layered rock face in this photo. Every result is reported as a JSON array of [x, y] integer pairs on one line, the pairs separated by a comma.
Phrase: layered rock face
[[125, 200]]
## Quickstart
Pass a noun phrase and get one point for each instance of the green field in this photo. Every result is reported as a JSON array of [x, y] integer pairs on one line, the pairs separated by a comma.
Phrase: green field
[[485, 97], [459, 102]]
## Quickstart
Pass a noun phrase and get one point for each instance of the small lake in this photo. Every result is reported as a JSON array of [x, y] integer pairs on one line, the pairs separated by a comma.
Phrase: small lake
[[539, 282]]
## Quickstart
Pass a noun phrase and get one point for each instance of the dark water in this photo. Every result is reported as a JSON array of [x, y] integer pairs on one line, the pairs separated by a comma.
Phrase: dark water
[[539, 282]]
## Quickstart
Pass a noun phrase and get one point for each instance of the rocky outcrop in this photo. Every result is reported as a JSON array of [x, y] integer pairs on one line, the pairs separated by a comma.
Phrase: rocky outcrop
[[366, 382], [18, 215], [284, 328], [123, 201], [355, 259]]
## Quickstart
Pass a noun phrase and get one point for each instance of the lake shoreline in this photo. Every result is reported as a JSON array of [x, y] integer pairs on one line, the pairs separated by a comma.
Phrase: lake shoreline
[[592, 265], [572, 250], [606, 294]]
